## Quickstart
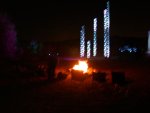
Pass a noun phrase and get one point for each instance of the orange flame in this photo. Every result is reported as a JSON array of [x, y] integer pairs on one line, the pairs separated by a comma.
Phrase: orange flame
[[82, 66]]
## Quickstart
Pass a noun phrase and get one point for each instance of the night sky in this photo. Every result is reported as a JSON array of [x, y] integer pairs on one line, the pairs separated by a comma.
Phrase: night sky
[[61, 20]]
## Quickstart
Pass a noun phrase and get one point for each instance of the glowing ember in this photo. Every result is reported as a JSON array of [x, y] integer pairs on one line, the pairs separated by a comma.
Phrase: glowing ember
[[82, 66]]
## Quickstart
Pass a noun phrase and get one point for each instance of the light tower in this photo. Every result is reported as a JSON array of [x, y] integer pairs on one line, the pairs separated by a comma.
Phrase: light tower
[[94, 37], [107, 32], [88, 49], [82, 42]]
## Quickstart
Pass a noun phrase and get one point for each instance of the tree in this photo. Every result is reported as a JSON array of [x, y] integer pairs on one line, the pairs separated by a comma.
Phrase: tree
[[7, 37]]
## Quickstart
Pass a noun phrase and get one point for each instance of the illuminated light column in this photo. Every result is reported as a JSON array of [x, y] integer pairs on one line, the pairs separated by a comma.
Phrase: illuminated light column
[[107, 32], [82, 41], [95, 37], [148, 49], [88, 49]]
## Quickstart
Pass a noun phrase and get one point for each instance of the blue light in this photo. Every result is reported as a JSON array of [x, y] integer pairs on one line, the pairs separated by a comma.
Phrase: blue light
[[135, 49], [127, 48]]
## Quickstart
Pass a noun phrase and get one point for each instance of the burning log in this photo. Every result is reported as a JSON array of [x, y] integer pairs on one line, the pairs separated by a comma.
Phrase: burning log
[[77, 75]]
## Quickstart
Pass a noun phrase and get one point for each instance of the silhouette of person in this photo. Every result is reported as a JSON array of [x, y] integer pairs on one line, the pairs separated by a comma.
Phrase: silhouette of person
[[52, 63]]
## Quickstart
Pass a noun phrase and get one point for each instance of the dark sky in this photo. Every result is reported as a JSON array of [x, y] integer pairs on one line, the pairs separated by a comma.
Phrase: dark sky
[[61, 20], [130, 18]]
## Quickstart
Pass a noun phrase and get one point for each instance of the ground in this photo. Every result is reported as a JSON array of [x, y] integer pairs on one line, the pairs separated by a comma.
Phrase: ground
[[87, 96]]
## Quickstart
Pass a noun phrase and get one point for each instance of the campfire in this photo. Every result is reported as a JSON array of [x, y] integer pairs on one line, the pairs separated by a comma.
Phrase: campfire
[[81, 71], [82, 66]]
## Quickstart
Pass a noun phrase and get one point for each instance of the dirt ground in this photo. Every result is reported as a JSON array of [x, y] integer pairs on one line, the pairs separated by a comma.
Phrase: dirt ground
[[81, 96]]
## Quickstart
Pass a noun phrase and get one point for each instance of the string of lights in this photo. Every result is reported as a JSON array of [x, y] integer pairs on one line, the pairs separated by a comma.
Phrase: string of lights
[[107, 32], [88, 49], [95, 37], [82, 41]]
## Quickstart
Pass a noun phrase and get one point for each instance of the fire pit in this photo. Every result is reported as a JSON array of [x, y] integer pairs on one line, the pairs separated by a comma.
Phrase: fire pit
[[79, 71]]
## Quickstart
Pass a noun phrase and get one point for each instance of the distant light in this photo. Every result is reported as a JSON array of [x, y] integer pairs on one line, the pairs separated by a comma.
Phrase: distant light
[[135, 49], [49, 54], [148, 48], [127, 48]]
